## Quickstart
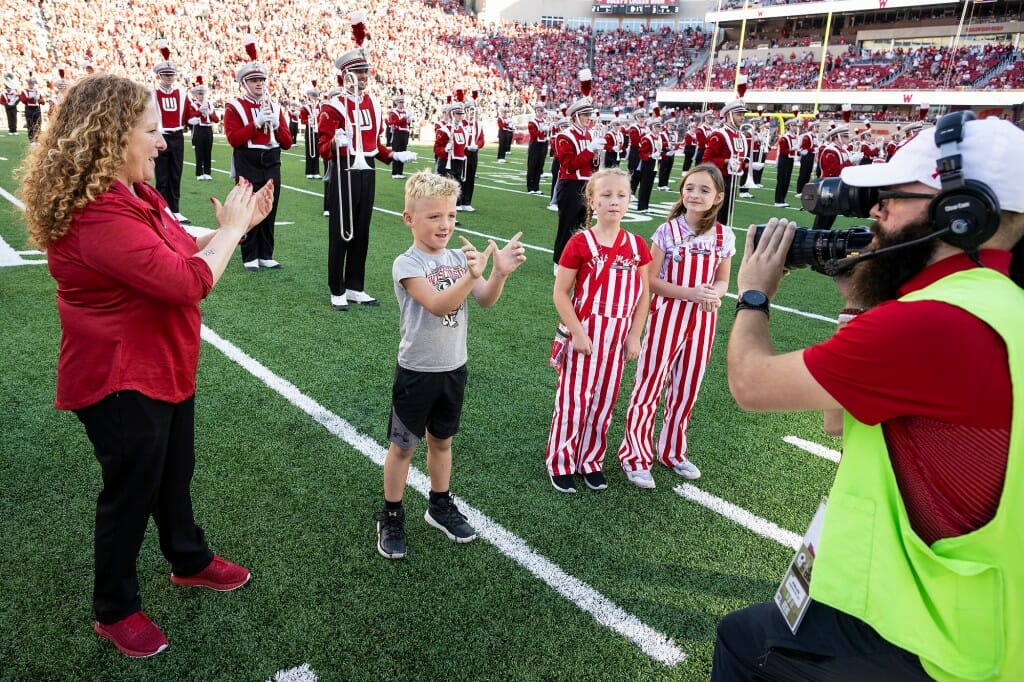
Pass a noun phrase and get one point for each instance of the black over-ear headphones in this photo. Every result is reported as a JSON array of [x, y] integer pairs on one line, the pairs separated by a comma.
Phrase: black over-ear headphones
[[966, 212]]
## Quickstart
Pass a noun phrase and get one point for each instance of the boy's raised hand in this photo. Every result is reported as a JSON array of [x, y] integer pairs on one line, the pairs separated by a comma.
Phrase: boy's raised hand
[[510, 257], [476, 261]]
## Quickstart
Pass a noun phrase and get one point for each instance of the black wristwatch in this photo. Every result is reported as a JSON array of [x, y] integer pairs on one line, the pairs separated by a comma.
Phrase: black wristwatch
[[753, 300]]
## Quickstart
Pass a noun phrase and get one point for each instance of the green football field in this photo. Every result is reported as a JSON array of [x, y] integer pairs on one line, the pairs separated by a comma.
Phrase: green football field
[[292, 406]]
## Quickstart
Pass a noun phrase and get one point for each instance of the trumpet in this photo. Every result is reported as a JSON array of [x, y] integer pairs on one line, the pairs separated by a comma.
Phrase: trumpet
[[268, 112], [354, 155]]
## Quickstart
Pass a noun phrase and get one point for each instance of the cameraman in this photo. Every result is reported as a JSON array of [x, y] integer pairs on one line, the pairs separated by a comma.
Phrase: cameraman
[[918, 569]]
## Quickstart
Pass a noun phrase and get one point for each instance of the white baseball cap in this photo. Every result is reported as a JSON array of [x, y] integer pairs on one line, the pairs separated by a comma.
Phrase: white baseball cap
[[989, 151]]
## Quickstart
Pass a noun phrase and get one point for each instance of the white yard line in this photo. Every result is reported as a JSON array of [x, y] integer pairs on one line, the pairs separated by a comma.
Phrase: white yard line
[[762, 527], [653, 643], [814, 448]]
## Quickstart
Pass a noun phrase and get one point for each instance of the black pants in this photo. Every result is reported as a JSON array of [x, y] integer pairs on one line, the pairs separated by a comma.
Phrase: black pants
[[688, 152], [312, 152], [555, 166], [645, 172], [12, 118], [783, 179], [146, 451], [259, 166], [535, 154], [632, 163], [572, 213], [169, 163], [350, 196], [504, 143], [806, 168], [293, 129], [699, 156], [202, 141], [399, 143], [33, 119], [665, 169], [756, 644], [456, 170], [724, 211], [469, 184], [611, 160], [757, 172]]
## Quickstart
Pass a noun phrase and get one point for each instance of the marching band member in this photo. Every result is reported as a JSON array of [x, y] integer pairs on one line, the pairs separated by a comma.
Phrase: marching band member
[[669, 142], [807, 151], [614, 144], [726, 148], [9, 100], [562, 124], [635, 131], [539, 127], [576, 151], [474, 141], [170, 102], [833, 158], [650, 151], [201, 117], [450, 146], [294, 112], [506, 131], [255, 127], [759, 149], [689, 145], [32, 100], [350, 128], [59, 86], [868, 149], [398, 123], [747, 130], [787, 155], [707, 126], [308, 115]]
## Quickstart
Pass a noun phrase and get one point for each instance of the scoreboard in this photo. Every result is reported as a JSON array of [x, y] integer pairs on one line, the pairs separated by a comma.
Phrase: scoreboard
[[635, 7]]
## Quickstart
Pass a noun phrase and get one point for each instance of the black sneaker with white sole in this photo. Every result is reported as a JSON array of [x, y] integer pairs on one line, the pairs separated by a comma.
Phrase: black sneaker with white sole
[[391, 533], [595, 480], [564, 483], [446, 517]]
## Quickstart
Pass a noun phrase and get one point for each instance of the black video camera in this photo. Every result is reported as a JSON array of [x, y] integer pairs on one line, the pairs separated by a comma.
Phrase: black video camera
[[822, 250]]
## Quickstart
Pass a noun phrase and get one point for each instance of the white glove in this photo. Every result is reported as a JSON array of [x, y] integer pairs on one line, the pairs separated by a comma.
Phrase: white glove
[[757, 165], [545, 127], [656, 156], [803, 152], [856, 158], [404, 157], [596, 146], [670, 152], [194, 121], [342, 139], [204, 109], [275, 122], [259, 119], [735, 167], [471, 148]]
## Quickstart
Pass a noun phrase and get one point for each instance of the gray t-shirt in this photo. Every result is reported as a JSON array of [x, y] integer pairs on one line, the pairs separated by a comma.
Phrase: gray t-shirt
[[430, 343]]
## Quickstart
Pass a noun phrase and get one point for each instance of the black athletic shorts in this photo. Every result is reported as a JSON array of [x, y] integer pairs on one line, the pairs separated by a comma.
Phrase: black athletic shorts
[[422, 401]]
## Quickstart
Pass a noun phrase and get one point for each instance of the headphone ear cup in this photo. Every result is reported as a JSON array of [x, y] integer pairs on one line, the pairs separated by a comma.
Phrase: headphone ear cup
[[970, 212]]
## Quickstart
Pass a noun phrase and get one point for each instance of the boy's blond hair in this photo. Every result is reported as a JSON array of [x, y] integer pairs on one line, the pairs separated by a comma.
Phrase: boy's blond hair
[[427, 185]]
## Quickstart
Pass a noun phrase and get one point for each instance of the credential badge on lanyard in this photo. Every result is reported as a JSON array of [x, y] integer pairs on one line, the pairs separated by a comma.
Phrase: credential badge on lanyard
[[794, 594]]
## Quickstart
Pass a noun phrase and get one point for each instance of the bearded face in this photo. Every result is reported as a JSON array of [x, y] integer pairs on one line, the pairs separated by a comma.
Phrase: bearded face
[[879, 279]]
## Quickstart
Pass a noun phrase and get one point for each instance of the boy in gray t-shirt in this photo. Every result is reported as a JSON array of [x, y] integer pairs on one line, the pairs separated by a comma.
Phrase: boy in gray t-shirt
[[432, 284]]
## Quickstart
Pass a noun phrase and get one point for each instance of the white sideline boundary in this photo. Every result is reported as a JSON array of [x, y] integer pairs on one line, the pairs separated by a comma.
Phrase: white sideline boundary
[[656, 645], [303, 673], [814, 448]]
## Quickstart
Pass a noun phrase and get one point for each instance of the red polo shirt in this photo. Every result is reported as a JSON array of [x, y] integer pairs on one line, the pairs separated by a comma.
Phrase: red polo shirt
[[128, 292], [938, 380]]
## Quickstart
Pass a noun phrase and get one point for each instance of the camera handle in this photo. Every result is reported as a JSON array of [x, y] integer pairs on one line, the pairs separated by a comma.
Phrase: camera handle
[[841, 266]]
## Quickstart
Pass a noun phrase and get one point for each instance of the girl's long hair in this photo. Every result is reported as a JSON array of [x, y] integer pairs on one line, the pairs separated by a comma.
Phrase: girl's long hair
[[80, 153], [710, 217]]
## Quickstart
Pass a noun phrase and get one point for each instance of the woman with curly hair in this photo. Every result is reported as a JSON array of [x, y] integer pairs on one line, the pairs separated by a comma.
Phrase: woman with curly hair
[[129, 282]]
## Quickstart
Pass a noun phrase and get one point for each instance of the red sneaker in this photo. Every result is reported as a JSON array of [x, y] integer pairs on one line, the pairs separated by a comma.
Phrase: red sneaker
[[136, 636], [220, 575]]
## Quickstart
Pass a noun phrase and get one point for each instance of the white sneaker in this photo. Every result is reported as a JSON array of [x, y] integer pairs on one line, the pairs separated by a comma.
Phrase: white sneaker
[[746, 195], [251, 265], [460, 208], [361, 297], [781, 205], [269, 263], [553, 207], [468, 209], [339, 303], [641, 478], [327, 213], [181, 219], [398, 177], [501, 160], [686, 469]]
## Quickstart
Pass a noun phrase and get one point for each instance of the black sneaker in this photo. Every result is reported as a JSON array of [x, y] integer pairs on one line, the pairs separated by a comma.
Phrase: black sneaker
[[564, 483], [447, 518], [391, 533], [595, 480]]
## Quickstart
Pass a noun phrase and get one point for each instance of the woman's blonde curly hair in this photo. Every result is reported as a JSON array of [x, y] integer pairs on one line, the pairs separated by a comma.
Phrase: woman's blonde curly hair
[[80, 153]]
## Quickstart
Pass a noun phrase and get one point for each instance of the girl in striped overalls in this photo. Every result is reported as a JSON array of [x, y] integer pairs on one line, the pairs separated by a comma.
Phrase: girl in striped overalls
[[602, 337], [691, 256]]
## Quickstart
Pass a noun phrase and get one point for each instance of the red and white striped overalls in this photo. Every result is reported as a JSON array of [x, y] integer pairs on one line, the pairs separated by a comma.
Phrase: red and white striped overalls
[[676, 346], [588, 385]]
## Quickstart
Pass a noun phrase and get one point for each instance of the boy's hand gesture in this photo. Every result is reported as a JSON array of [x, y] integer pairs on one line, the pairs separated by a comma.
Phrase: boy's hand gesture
[[507, 259], [476, 261]]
